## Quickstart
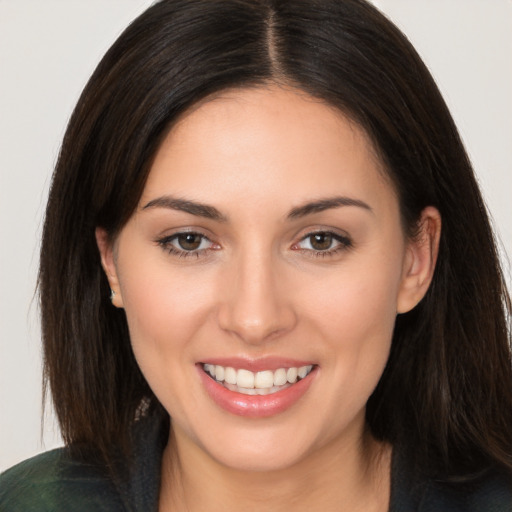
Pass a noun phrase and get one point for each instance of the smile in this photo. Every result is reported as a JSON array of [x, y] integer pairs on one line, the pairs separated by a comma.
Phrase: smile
[[274, 385], [264, 382]]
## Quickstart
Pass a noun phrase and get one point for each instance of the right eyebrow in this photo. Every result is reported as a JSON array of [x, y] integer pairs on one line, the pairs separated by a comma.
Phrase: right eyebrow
[[187, 206], [321, 205]]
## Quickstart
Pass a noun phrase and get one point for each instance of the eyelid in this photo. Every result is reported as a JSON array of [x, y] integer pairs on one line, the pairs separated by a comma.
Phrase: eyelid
[[344, 241], [166, 243], [312, 230]]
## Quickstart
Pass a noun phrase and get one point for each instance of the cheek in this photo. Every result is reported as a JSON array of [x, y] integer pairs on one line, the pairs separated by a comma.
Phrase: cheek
[[164, 308], [354, 314], [166, 314], [356, 300]]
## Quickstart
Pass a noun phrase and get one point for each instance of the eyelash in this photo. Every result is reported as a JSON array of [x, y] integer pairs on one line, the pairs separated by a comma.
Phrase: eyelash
[[343, 243], [166, 244]]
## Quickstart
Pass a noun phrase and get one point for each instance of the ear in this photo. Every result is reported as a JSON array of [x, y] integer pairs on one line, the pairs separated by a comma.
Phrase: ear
[[420, 260], [106, 248]]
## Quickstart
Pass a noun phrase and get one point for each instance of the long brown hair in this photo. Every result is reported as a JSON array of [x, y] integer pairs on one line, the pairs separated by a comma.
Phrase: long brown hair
[[447, 388]]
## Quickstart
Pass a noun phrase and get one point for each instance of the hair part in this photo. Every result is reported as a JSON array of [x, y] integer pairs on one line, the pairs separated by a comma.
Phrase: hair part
[[447, 388]]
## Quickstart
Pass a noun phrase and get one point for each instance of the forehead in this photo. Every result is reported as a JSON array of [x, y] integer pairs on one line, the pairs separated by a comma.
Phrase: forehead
[[248, 144]]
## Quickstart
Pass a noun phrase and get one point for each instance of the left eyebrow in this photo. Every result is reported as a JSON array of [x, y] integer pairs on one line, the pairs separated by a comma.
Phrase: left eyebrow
[[184, 205], [326, 204]]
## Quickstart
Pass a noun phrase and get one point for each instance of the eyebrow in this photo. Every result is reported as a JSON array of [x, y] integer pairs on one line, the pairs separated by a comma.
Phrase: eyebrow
[[326, 204], [183, 205], [210, 212]]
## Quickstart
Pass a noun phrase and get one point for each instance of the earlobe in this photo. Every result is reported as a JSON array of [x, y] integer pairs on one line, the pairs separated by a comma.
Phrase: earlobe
[[420, 261], [106, 249]]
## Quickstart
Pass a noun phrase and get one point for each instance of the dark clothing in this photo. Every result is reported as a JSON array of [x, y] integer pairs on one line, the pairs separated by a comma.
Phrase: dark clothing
[[55, 482], [412, 492]]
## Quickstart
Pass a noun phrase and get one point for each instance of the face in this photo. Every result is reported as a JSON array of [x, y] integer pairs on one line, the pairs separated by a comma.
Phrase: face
[[261, 275]]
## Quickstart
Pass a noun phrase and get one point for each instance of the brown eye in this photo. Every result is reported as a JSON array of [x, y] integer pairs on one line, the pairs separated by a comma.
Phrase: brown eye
[[321, 241], [189, 241]]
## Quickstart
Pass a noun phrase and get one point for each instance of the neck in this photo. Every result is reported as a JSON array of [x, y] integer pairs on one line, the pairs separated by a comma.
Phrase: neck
[[339, 478]]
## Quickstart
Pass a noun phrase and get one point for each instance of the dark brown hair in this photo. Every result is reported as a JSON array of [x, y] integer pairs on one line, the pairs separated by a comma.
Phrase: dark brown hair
[[447, 389]]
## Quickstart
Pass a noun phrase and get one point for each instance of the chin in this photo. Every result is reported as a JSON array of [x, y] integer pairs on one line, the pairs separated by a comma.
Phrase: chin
[[241, 457]]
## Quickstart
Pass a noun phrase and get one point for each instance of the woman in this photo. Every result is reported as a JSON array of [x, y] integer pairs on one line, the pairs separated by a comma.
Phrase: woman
[[267, 276]]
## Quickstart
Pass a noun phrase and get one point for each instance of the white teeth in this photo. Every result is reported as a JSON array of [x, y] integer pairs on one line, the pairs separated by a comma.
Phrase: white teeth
[[210, 368], [264, 379], [291, 375], [259, 383], [255, 391], [230, 375], [219, 373], [244, 379], [303, 371], [280, 377]]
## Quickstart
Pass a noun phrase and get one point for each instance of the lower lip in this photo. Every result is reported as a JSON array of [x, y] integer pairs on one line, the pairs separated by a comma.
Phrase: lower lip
[[255, 406]]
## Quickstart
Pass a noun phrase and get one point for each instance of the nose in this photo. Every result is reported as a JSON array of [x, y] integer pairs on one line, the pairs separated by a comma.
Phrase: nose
[[256, 303]]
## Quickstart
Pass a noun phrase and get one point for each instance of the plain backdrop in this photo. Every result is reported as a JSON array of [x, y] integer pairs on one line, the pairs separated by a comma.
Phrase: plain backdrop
[[49, 48]]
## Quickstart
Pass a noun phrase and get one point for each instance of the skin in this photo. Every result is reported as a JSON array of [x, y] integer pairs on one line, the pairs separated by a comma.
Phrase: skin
[[258, 287]]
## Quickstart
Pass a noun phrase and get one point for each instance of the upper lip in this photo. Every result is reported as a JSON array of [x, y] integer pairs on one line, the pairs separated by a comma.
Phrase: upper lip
[[257, 365]]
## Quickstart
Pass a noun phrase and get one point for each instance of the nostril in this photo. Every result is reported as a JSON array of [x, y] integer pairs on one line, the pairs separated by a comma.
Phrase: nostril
[[255, 326]]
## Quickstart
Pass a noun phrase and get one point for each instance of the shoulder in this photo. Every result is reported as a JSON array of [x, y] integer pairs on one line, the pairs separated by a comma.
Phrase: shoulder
[[413, 491], [491, 492], [54, 481]]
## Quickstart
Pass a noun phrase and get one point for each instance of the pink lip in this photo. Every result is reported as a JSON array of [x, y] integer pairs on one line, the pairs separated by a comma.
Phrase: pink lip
[[258, 406], [257, 365]]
